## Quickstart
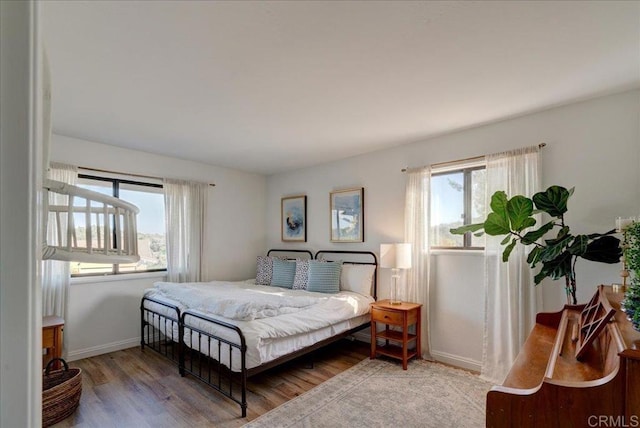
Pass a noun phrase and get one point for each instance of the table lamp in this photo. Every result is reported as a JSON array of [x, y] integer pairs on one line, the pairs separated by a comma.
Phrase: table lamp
[[395, 257]]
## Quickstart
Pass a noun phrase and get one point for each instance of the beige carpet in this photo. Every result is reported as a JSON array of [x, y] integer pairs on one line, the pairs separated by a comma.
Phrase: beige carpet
[[378, 393]]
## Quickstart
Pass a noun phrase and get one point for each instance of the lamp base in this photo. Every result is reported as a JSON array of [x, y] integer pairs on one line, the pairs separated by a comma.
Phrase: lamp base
[[395, 298]]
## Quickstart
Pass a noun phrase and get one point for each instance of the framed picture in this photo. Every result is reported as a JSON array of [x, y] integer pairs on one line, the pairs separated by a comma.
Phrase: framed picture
[[347, 215], [294, 219]]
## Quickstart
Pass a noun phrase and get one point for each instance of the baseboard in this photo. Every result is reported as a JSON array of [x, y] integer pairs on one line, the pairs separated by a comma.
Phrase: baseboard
[[456, 360], [443, 357], [103, 349]]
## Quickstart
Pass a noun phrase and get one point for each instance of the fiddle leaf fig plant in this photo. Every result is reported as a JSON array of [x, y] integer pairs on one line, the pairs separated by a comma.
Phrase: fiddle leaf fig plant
[[557, 254]]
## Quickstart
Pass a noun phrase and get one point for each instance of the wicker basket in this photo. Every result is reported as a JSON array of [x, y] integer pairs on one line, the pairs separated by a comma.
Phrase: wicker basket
[[61, 390]]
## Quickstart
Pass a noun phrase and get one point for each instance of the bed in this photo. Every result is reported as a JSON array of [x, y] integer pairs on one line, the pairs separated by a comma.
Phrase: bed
[[224, 332]]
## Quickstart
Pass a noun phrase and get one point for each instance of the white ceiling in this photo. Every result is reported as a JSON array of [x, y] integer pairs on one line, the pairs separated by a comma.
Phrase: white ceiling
[[273, 86]]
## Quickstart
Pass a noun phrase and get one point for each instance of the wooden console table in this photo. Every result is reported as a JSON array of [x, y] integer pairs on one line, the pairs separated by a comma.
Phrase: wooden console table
[[52, 328]]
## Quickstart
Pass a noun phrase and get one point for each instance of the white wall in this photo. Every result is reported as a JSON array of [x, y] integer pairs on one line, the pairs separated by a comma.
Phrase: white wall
[[592, 145], [20, 188], [104, 316], [456, 299]]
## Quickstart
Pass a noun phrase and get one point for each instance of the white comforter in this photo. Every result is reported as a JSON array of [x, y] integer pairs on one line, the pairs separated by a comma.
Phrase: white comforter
[[237, 303], [271, 337]]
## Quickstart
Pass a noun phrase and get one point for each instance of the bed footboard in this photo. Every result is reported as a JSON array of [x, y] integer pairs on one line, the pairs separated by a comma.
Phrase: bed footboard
[[159, 328], [219, 360]]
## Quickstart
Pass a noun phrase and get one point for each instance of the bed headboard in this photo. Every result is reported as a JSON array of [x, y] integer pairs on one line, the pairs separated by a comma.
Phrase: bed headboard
[[290, 254], [352, 257]]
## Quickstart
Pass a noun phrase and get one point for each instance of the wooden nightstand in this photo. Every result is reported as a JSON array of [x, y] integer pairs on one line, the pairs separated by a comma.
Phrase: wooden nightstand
[[52, 340], [404, 315]]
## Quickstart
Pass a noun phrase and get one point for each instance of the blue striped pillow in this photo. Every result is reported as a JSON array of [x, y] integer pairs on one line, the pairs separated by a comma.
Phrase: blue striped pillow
[[324, 277], [283, 273]]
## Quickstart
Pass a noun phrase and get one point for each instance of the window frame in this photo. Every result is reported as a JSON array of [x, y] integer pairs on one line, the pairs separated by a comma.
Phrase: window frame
[[115, 187], [467, 172]]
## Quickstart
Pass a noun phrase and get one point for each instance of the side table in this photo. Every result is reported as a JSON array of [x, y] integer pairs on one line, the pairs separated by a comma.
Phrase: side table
[[52, 328], [397, 343]]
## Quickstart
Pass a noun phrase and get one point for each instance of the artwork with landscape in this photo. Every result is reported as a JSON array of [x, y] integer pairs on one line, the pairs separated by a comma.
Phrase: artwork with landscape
[[347, 215]]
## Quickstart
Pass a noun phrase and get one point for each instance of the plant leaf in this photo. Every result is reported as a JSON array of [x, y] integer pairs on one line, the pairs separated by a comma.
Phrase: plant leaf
[[499, 203], [555, 268], [598, 235], [499, 207], [539, 277], [505, 240], [579, 245], [528, 222], [467, 228], [564, 231], [604, 250], [534, 235], [553, 201], [554, 248], [519, 209], [507, 250], [534, 256], [562, 234], [496, 225]]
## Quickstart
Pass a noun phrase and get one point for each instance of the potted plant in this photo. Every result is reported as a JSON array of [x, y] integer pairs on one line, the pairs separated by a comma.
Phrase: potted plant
[[558, 255], [631, 302]]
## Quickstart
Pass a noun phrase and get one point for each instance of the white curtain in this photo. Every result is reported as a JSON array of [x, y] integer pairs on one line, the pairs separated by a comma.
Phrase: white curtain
[[511, 298], [55, 274], [416, 226], [185, 210]]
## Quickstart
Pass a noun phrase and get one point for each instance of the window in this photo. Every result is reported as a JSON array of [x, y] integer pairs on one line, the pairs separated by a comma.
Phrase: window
[[152, 247], [457, 198]]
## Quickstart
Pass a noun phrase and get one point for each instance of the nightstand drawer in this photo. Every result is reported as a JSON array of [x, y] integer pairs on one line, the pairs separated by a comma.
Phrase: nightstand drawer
[[386, 316]]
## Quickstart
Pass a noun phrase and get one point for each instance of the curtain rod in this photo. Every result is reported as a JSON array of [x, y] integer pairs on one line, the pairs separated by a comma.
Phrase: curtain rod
[[475, 158], [127, 173]]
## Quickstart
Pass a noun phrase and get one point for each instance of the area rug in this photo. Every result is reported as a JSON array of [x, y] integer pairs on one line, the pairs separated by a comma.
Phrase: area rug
[[378, 393]]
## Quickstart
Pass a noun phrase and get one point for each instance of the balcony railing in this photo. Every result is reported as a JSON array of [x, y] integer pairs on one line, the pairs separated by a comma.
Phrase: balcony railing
[[110, 229]]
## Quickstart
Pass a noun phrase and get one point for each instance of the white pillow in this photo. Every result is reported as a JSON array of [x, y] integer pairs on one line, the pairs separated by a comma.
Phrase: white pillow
[[357, 278]]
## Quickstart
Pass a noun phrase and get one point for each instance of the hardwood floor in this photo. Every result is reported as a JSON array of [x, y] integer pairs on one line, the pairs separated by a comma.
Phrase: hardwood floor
[[132, 388]]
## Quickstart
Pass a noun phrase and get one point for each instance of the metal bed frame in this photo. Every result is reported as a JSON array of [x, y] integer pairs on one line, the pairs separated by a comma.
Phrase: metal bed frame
[[157, 333]]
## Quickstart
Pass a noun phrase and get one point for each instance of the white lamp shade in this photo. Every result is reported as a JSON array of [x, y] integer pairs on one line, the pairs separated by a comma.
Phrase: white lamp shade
[[395, 256]]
